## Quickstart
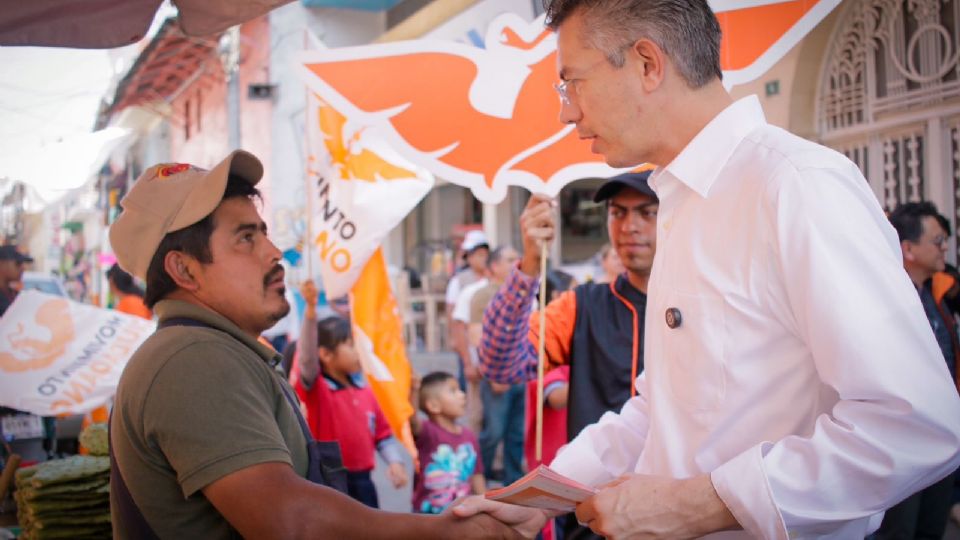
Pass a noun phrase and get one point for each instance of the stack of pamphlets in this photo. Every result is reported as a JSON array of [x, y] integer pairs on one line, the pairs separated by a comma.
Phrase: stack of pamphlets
[[543, 488]]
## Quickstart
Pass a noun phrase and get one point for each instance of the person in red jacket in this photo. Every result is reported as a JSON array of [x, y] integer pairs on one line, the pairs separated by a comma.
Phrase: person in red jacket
[[340, 406]]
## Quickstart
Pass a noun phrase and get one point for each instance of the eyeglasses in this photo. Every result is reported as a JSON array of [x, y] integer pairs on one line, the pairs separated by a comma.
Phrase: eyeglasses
[[567, 88], [939, 241], [564, 88]]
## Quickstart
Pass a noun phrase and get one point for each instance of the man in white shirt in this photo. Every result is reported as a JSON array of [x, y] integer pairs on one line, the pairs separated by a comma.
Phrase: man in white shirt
[[476, 251], [792, 388], [467, 351]]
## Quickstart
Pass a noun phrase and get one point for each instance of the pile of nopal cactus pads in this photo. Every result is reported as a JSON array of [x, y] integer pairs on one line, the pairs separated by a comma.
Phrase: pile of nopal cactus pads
[[67, 498]]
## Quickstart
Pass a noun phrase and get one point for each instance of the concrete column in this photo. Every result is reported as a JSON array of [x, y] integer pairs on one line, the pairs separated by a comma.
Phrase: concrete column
[[936, 171], [490, 224]]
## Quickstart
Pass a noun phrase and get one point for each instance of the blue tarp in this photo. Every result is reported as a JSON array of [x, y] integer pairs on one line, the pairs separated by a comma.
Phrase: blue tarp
[[366, 5]]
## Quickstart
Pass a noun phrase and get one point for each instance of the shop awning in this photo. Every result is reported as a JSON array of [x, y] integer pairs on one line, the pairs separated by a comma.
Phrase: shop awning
[[164, 67], [104, 24], [365, 5], [52, 171]]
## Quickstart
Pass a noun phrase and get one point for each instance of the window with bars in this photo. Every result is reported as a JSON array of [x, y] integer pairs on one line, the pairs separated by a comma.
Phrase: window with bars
[[902, 169], [890, 56], [891, 78]]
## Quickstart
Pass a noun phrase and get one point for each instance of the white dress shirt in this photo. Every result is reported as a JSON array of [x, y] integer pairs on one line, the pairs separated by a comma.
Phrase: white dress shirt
[[803, 376]]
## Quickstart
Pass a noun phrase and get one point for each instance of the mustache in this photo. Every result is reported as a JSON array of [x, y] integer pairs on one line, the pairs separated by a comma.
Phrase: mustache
[[273, 274]]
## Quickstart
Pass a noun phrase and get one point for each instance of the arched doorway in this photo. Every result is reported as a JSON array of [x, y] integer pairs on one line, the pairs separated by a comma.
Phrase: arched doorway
[[889, 98]]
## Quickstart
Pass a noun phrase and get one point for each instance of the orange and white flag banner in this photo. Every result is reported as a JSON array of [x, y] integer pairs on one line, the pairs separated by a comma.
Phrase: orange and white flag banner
[[486, 117], [61, 357], [758, 33], [358, 189], [378, 334]]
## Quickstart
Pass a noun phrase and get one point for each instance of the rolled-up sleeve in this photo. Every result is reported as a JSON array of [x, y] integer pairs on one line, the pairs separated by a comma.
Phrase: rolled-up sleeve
[[896, 426], [506, 355], [609, 448]]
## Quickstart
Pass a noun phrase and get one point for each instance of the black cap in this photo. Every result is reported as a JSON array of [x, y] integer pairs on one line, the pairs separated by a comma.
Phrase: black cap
[[633, 180], [10, 253]]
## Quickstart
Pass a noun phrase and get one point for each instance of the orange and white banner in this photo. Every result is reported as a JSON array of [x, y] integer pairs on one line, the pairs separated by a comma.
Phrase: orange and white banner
[[486, 117], [61, 357], [358, 190], [378, 334], [758, 33]]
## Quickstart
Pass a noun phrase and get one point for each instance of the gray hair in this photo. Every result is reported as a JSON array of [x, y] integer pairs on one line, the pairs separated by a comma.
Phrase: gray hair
[[499, 253], [686, 30]]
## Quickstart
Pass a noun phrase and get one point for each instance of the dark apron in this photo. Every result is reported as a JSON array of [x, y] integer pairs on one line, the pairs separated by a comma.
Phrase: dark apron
[[324, 466]]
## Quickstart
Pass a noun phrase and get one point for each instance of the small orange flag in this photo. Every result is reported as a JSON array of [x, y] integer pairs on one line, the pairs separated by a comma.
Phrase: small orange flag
[[378, 334]]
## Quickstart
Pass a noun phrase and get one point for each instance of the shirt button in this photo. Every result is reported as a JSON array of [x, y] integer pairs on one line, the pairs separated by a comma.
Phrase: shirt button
[[674, 318]]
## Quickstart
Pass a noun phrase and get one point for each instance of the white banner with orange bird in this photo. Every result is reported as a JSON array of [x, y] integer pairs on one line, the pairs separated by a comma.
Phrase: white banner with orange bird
[[61, 357], [358, 189]]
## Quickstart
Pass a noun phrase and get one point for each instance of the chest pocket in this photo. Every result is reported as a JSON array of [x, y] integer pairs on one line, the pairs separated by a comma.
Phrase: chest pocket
[[694, 350]]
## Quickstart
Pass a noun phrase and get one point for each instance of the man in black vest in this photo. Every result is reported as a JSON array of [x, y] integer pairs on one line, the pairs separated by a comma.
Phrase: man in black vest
[[597, 328]]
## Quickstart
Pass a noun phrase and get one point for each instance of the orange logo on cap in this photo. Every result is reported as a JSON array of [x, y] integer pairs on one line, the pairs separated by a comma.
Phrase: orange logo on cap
[[30, 353], [168, 170]]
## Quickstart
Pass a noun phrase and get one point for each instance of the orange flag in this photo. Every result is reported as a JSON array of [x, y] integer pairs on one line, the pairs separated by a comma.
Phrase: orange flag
[[378, 333]]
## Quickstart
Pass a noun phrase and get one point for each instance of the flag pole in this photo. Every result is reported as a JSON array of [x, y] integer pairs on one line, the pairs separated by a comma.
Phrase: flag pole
[[541, 348], [308, 219], [311, 167]]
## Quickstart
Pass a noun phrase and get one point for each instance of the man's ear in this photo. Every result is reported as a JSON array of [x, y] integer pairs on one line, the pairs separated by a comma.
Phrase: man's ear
[[650, 62], [324, 354], [907, 248], [432, 405], [183, 269]]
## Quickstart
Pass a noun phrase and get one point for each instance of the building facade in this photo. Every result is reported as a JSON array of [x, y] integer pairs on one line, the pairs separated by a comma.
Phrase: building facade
[[878, 80]]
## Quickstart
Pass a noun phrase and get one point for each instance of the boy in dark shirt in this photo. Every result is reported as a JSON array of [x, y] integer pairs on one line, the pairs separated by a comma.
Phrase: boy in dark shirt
[[449, 468]]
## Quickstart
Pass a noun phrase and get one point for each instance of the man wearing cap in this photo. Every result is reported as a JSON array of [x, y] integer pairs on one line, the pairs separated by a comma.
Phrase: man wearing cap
[[11, 271], [206, 438], [596, 328], [476, 251]]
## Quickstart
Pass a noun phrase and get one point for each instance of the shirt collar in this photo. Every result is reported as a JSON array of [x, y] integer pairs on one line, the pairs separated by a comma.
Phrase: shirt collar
[[701, 161], [172, 309], [357, 380], [626, 289]]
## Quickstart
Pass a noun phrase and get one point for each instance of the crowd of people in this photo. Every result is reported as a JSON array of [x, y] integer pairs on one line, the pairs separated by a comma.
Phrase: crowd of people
[[766, 354]]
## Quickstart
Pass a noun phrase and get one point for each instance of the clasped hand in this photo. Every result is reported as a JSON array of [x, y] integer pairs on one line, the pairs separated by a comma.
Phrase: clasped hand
[[639, 506], [525, 521]]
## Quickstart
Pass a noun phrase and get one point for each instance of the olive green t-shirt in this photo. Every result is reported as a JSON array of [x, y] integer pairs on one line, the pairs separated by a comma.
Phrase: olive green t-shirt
[[195, 404]]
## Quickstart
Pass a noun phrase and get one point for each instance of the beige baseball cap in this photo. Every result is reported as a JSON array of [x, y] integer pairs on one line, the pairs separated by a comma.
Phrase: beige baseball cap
[[169, 197]]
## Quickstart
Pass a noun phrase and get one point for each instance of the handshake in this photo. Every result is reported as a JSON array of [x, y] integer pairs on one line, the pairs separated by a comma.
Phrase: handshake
[[493, 519], [538, 496]]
